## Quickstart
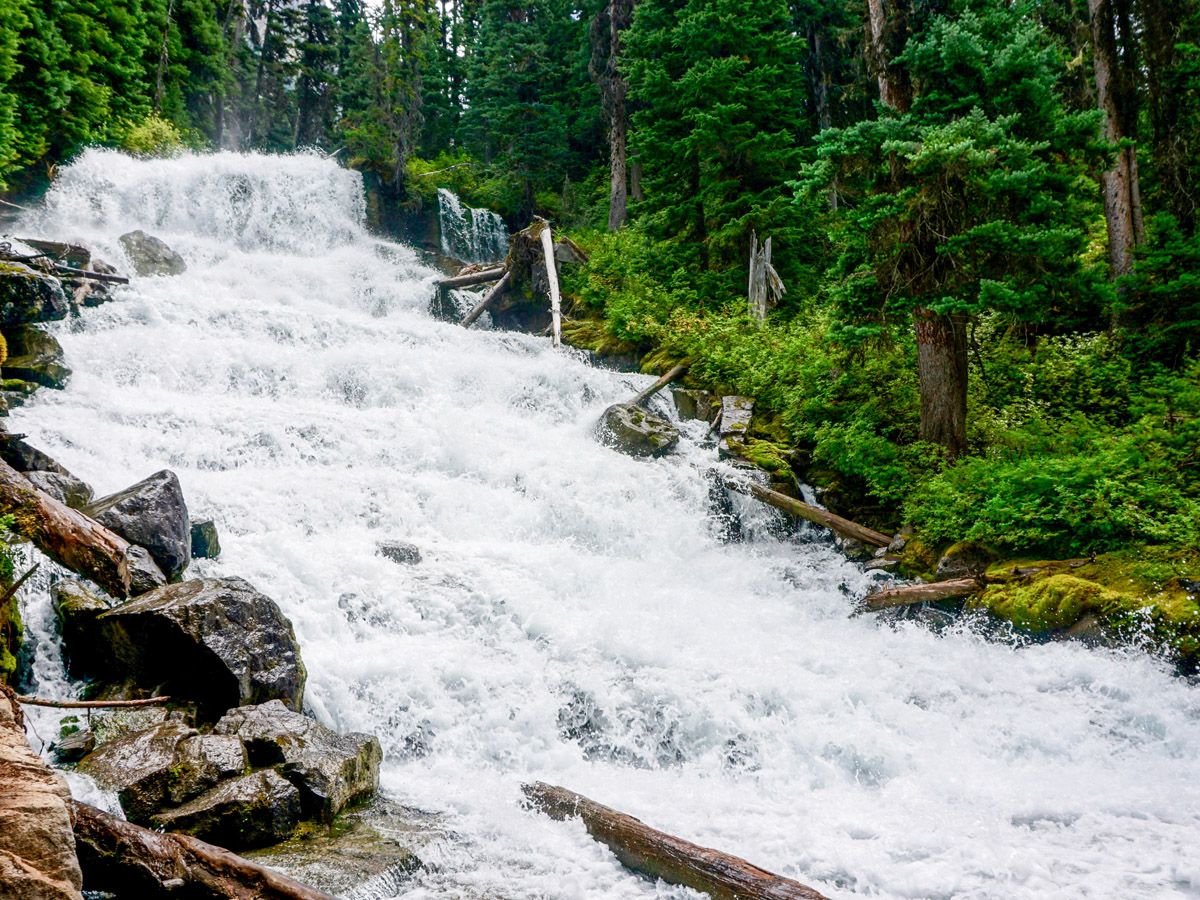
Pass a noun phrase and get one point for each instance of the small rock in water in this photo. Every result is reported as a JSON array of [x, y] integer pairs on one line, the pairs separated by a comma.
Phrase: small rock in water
[[152, 514], [250, 811], [150, 255], [692, 404], [399, 552], [74, 746], [636, 432], [205, 542], [66, 489]]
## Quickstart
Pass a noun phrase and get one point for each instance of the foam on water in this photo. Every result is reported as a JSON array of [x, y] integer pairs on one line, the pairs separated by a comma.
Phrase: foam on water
[[575, 619]]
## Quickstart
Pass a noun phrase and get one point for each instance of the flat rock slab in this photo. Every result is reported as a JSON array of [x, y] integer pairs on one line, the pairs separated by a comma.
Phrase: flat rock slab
[[331, 770], [217, 641], [151, 514], [250, 811], [636, 432]]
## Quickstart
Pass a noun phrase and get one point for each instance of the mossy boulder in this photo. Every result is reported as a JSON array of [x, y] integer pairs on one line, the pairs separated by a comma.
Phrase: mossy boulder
[[141, 767], [35, 356], [78, 609], [1054, 603], [28, 295], [251, 811], [10, 638], [636, 432], [918, 559], [964, 559], [66, 489]]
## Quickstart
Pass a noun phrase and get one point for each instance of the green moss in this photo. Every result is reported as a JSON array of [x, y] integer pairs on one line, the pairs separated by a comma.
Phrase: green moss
[[918, 559], [592, 334], [766, 455], [1048, 604], [10, 632]]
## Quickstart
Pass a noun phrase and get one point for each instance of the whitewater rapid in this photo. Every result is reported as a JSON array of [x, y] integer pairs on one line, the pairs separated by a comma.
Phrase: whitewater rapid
[[576, 618]]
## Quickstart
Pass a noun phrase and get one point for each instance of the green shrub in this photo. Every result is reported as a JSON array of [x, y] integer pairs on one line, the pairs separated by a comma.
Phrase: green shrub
[[153, 136]]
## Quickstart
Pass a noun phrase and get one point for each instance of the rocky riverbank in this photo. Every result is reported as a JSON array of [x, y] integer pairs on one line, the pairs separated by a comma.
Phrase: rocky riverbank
[[194, 686]]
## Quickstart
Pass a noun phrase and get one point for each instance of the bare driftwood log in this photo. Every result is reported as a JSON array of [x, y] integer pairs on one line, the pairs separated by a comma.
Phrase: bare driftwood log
[[552, 275], [497, 289], [65, 535], [91, 704], [814, 514], [72, 272], [461, 281], [921, 593], [658, 855], [132, 861], [649, 392]]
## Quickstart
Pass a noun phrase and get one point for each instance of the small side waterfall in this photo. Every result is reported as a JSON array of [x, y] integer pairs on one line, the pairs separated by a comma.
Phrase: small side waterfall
[[469, 234]]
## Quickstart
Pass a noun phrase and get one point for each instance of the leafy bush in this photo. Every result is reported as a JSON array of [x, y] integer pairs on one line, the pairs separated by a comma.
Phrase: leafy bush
[[153, 136]]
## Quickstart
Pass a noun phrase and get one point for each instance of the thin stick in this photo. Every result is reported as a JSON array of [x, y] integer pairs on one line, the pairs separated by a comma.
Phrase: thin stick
[[94, 276], [488, 298], [8, 595], [552, 277], [16, 205], [91, 704]]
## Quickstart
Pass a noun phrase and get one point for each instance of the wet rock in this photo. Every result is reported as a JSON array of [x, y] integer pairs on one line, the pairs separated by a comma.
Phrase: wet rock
[[25, 458], [141, 767], [74, 746], [151, 514], [78, 609], [112, 724], [87, 292], [37, 847], [400, 552], [736, 413], [250, 811], [203, 761], [217, 641], [144, 573], [65, 489], [882, 564], [636, 432], [35, 356], [28, 295], [150, 255], [693, 404], [331, 770], [206, 544], [963, 559]]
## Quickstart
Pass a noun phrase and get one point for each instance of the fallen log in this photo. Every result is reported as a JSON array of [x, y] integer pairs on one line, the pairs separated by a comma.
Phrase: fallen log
[[71, 272], [488, 299], [953, 589], [65, 535], [132, 861], [552, 276], [461, 281], [814, 514], [649, 392], [656, 854], [92, 704]]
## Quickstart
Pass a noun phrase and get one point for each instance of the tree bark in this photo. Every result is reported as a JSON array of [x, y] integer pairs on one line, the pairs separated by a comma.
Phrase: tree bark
[[606, 30], [923, 593], [656, 854], [65, 535], [1118, 101], [677, 372], [942, 377], [488, 298], [887, 33], [132, 861]]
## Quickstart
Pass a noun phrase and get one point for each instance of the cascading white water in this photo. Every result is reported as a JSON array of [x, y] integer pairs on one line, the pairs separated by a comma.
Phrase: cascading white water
[[470, 234], [575, 618]]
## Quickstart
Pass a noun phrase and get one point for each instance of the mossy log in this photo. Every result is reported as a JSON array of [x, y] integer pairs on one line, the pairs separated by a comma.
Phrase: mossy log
[[814, 514], [954, 589], [656, 854], [132, 861], [65, 535]]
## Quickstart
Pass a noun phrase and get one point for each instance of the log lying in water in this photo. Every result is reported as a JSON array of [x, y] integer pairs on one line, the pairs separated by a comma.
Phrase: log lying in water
[[649, 392], [488, 298], [953, 589], [132, 861], [65, 535], [92, 704], [815, 514], [461, 281], [658, 855]]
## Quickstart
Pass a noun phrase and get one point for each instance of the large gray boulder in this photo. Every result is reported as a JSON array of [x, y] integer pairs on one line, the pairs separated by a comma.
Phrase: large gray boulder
[[250, 811], [27, 295], [330, 769], [151, 514], [142, 768], [217, 641], [636, 432], [150, 255], [35, 356]]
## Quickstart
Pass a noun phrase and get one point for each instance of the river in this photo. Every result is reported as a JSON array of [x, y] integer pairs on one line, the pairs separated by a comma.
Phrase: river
[[576, 618]]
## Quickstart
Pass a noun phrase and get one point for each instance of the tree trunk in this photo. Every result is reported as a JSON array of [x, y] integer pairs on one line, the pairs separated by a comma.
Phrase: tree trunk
[[887, 33], [942, 376], [605, 37], [65, 535], [1118, 101], [656, 854], [132, 861]]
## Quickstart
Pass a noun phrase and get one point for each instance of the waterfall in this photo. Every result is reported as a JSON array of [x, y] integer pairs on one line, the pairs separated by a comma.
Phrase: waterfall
[[576, 617], [469, 234]]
